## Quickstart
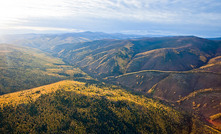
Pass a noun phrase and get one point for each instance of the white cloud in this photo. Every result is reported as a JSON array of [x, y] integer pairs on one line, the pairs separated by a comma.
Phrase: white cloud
[[44, 29], [30, 29], [160, 11], [19, 12], [15, 11]]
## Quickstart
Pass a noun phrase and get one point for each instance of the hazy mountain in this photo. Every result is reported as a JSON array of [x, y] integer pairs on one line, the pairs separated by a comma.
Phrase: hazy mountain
[[47, 41], [218, 39]]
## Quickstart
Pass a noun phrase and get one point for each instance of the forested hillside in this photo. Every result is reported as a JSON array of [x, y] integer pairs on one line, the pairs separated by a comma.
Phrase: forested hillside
[[77, 107], [23, 68]]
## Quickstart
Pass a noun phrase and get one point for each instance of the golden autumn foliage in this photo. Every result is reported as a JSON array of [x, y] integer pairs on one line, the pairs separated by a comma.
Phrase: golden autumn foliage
[[78, 107]]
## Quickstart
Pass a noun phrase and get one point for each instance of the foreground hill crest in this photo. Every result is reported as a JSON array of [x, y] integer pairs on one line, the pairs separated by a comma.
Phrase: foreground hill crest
[[77, 107]]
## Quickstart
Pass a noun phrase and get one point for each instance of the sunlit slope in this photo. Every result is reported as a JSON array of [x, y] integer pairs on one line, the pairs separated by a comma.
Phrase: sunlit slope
[[23, 68], [77, 107]]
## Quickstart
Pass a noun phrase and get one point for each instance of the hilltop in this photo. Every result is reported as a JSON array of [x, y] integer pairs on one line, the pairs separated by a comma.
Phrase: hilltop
[[77, 107]]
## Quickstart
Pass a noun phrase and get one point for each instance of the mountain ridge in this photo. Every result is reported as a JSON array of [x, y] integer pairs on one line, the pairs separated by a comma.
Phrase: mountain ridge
[[114, 57], [47, 41]]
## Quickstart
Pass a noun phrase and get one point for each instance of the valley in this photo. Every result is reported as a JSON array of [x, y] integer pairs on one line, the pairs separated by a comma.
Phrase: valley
[[24, 68], [102, 83], [115, 57]]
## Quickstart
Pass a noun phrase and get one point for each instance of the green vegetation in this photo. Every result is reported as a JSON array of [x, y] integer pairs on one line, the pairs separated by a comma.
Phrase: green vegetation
[[24, 68], [77, 107]]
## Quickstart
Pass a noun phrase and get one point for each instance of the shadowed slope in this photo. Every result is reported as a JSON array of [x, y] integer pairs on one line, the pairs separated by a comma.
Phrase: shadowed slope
[[214, 65], [201, 88], [115, 57]]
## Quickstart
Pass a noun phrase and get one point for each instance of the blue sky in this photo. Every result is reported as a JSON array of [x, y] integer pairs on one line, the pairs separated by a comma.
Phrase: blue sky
[[147, 17]]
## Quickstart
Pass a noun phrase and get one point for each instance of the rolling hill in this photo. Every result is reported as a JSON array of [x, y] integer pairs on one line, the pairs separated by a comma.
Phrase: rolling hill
[[213, 65], [23, 68], [77, 107], [167, 68], [206, 104], [157, 67], [103, 58], [194, 91], [168, 85]]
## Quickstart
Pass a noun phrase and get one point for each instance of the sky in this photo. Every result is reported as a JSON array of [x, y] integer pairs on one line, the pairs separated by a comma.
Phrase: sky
[[145, 17]]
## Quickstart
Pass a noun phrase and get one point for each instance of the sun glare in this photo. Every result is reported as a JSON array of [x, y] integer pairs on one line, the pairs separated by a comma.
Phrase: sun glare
[[16, 11]]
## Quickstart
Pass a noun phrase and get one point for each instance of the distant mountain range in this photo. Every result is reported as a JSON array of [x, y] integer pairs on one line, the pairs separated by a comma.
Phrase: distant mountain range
[[218, 38], [47, 41]]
